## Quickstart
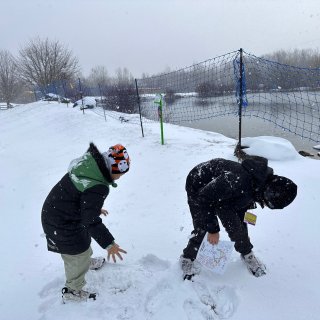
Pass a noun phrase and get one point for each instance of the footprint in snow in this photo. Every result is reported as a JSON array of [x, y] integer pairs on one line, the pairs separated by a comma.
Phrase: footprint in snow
[[152, 263], [221, 301], [196, 310]]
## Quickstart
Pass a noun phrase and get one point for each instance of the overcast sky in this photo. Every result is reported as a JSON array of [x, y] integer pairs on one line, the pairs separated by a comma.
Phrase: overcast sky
[[151, 35]]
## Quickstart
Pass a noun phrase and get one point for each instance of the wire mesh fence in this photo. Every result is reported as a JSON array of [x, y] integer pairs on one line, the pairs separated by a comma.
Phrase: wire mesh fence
[[202, 91], [286, 96]]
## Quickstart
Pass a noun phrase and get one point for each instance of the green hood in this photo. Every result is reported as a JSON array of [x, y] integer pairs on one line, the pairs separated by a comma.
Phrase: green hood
[[84, 173]]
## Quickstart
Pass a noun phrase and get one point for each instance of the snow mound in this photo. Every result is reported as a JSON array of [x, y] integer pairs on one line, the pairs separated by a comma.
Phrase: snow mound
[[272, 148]]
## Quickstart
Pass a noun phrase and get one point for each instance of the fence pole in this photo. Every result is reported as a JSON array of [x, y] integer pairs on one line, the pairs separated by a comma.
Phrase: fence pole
[[65, 91], [161, 121], [104, 111], [138, 98], [56, 91], [240, 97], [81, 95], [158, 101]]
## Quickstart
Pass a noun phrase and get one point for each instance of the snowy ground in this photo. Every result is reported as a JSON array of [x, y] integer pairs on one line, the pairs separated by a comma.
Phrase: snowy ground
[[149, 217]]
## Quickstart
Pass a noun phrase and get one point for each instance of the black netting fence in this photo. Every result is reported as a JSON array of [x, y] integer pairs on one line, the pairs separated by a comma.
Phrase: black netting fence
[[202, 91], [238, 84], [287, 96]]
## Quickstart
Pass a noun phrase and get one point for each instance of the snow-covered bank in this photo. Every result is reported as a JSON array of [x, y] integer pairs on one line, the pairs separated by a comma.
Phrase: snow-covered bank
[[149, 217]]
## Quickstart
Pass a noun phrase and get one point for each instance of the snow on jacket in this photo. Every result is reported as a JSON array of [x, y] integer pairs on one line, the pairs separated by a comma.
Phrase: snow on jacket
[[221, 184], [70, 214]]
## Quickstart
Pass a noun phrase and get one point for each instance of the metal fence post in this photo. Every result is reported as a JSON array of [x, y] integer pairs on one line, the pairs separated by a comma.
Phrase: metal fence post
[[138, 98], [240, 97], [81, 95]]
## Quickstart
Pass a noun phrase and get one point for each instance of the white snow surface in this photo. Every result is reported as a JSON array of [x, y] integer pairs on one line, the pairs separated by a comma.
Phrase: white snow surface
[[149, 217]]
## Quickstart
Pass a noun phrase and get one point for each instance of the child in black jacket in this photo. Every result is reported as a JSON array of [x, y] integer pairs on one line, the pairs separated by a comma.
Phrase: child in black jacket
[[71, 215], [226, 189]]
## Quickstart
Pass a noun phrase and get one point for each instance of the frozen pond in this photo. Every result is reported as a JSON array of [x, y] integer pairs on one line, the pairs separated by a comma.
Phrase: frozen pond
[[251, 127], [297, 111]]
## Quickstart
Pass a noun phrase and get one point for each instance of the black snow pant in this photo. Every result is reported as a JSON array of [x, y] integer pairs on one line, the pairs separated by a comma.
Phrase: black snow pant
[[233, 223]]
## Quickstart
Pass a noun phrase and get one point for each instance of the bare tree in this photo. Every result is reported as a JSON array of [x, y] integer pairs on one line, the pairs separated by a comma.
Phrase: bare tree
[[9, 80], [123, 76], [43, 62], [99, 77], [121, 95], [308, 58]]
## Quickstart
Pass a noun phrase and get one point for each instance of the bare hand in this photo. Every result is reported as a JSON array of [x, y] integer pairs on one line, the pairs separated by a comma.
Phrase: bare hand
[[114, 251], [213, 238], [104, 212]]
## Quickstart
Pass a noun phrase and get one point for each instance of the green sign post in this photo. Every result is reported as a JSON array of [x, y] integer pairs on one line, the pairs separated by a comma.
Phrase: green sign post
[[158, 100]]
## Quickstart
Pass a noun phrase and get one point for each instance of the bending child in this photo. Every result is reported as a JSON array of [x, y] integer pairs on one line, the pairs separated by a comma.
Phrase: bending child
[[70, 215], [226, 189]]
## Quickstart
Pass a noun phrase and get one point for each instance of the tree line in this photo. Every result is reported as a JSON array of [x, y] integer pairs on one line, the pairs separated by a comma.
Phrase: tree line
[[43, 62]]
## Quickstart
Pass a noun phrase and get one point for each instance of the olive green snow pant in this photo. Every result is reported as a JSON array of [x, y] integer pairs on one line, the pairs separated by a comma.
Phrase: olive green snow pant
[[76, 266]]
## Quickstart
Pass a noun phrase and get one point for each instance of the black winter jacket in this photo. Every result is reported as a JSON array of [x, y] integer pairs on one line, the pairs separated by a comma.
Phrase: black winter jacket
[[226, 185], [71, 217]]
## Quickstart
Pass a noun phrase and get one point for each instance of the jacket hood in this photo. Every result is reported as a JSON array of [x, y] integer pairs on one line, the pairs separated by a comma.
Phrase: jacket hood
[[98, 157], [90, 170], [258, 168]]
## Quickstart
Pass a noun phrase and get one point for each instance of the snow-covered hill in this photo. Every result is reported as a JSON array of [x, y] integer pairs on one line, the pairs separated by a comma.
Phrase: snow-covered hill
[[149, 217]]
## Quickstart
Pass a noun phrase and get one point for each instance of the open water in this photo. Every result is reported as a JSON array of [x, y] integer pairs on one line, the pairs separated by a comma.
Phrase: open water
[[252, 127]]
